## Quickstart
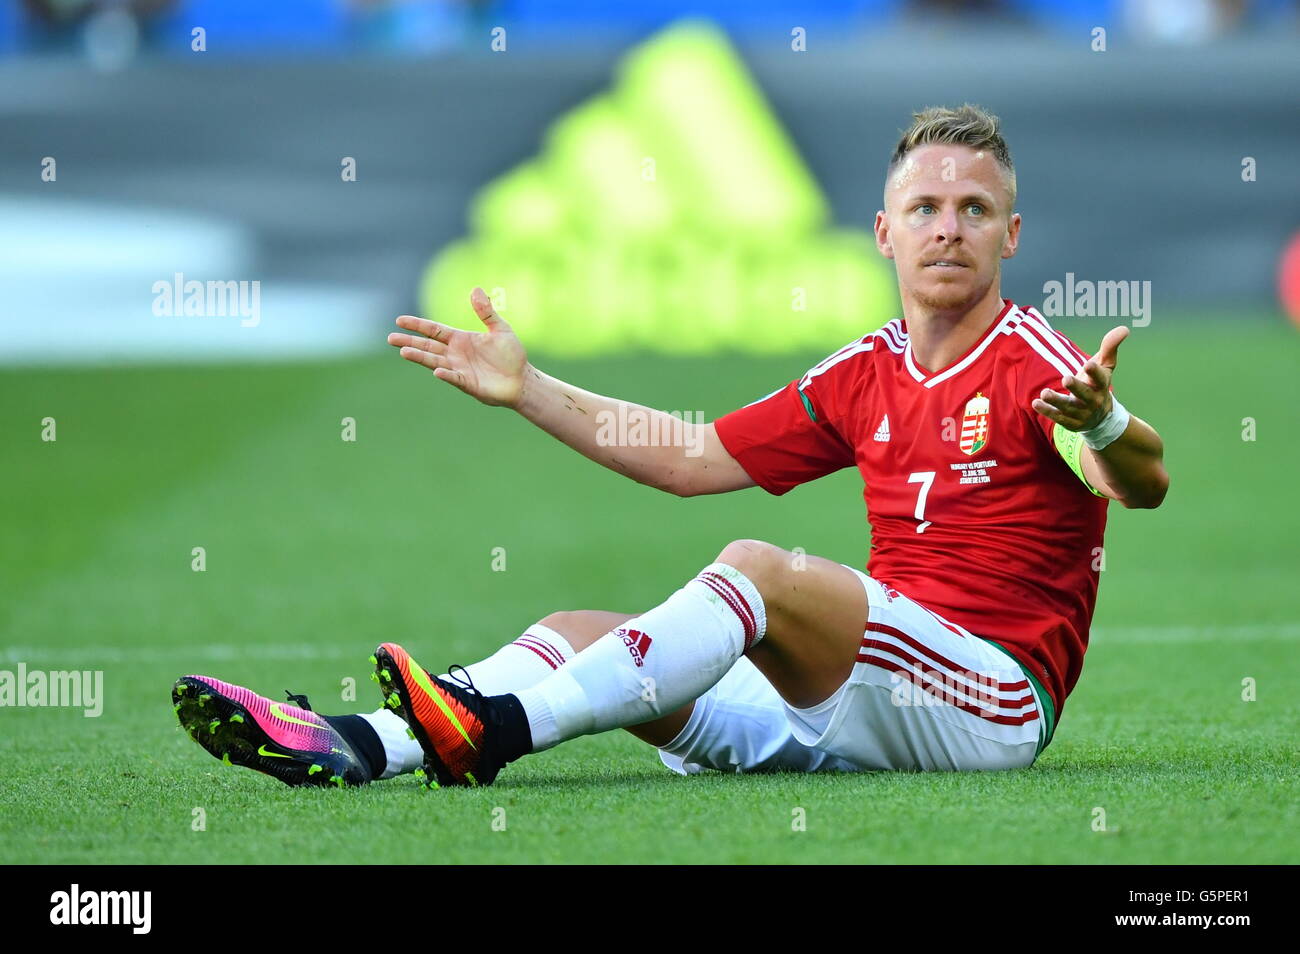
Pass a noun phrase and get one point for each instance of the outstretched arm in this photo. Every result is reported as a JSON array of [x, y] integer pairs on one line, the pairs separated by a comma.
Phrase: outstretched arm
[[1129, 467], [492, 367]]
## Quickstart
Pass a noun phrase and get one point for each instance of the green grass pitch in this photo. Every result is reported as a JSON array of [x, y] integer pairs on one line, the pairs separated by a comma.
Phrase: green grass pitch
[[318, 548]]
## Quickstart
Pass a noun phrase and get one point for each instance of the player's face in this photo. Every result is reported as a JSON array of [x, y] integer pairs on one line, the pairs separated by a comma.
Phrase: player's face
[[947, 223]]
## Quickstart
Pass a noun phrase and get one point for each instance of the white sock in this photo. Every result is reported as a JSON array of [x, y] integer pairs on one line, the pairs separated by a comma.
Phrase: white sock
[[403, 752], [537, 653], [652, 664]]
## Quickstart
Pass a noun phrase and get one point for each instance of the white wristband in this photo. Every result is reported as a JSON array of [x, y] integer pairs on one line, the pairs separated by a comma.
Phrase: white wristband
[[1112, 426]]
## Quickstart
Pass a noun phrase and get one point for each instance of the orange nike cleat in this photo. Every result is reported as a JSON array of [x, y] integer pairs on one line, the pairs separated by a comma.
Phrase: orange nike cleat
[[459, 728]]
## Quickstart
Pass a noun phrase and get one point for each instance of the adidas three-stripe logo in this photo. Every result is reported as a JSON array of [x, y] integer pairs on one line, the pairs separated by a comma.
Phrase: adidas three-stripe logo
[[882, 432]]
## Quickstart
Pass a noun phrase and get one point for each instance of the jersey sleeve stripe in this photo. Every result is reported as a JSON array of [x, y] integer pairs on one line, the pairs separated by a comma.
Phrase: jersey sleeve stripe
[[1042, 320], [889, 343], [866, 344], [1063, 345], [1047, 355], [766, 396], [893, 334], [835, 354], [848, 347]]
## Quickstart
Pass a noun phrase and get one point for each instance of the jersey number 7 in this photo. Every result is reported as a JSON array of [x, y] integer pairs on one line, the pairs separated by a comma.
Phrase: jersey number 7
[[925, 478]]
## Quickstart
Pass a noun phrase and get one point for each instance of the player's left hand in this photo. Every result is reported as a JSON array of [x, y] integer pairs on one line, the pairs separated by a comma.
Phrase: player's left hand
[[1087, 400]]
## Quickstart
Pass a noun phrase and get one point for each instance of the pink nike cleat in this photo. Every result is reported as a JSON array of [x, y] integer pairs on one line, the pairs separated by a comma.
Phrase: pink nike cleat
[[286, 741]]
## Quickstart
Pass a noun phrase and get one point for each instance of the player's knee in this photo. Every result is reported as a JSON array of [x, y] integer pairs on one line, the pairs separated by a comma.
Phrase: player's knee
[[757, 560], [574, 626], [581, 628], [564, 622]]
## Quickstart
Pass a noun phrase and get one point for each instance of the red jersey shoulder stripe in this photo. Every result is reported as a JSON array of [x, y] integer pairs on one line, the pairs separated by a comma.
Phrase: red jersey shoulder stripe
[[1073, 348], [892, 333], [1047, 347], [1053, 340], [865, 343], [889, 342]]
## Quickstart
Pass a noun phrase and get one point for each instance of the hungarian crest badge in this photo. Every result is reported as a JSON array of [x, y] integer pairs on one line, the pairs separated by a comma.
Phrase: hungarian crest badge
[[975, 425]]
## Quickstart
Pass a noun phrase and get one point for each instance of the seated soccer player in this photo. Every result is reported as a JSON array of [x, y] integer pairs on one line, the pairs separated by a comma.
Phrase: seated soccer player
[[989, 445]]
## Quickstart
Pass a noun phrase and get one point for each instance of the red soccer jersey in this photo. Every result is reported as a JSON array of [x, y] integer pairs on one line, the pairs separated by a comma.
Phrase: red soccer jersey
[[974, 513]]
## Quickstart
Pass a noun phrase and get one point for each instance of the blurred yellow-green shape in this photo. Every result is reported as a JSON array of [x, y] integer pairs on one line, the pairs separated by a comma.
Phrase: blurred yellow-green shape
[[735, 166], [679, 297], [672, 215], [599, 161], [522, 202]]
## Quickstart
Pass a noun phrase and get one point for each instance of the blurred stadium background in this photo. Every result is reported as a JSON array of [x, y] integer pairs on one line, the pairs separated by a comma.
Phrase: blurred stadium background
[[579, 155], [672, 203]]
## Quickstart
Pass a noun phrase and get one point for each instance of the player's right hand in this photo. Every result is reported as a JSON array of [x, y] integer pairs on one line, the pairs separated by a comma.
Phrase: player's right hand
[[487, 365]]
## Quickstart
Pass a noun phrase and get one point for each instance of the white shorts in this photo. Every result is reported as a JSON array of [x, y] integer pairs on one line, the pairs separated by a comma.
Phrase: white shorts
[[924, 695]]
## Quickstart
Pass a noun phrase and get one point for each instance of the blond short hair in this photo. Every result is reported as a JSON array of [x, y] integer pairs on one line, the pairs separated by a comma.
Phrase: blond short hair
[[965, 125]]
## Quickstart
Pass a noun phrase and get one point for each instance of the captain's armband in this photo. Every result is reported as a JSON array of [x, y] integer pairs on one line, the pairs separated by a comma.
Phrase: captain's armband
[[1069, 444]]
